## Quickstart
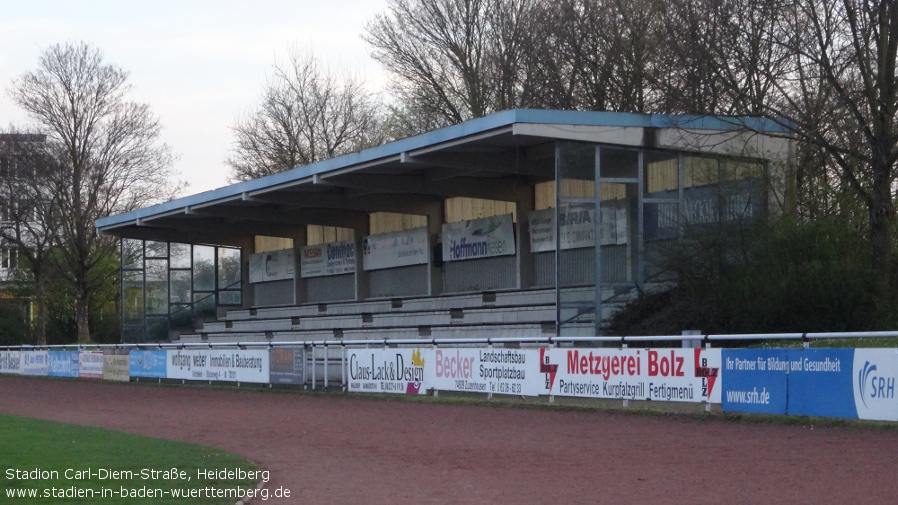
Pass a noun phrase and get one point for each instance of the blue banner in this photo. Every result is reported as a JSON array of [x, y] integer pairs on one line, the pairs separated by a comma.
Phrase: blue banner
[[149, 364], [821, 383], [755, 380], [63, 363], [805, 382]]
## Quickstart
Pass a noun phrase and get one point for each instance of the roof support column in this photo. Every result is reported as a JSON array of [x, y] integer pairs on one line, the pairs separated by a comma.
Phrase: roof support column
[[247, 247], [361, 230], [525, 201], [436, 216], [300, 285]]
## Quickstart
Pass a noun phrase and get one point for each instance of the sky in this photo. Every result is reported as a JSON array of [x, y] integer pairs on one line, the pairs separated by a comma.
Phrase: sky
[[199, 64]]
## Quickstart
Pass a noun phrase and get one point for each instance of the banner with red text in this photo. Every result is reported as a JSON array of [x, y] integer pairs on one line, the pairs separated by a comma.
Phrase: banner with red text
[[486, 370], [674, 375]]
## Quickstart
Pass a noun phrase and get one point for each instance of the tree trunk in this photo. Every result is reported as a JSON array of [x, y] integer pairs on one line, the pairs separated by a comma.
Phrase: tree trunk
[[82, 316], [882, 218], [40, 300]]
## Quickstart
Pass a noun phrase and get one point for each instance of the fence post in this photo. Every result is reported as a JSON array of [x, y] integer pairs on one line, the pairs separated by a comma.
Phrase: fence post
[[343, 371], [691, 343], [313, 367], [326, 359]]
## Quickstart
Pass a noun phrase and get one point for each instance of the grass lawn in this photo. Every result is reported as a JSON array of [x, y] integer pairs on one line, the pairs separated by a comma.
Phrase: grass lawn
[[43, 462]]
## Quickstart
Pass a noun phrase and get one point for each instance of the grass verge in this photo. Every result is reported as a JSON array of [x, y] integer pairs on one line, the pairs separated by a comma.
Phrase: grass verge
[[44, 462]]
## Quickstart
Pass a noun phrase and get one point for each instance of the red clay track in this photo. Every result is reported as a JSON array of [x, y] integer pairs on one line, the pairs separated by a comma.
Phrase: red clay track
[[346, 450]]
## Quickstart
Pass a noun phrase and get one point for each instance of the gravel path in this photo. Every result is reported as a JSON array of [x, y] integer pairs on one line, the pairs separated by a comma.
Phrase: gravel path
[[349, 450]]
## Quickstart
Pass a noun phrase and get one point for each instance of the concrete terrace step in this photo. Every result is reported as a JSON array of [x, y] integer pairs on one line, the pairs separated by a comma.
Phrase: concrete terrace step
[[424, 332], [477, 315], [443, 302]]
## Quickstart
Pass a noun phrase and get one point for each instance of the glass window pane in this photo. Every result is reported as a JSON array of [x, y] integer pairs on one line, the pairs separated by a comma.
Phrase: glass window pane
[[203, 268], [132, 297], [577, 170], [179, 291], [230, 298], [661, 177], [181, 316], [228, 268], [699, 171], [619, 163], [157, 286], [180, 255], [157, 249], [132, 254], [204, 304]]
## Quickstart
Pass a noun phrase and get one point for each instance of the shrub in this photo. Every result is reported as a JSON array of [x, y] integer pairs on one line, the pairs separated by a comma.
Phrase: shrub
[[784, 277]]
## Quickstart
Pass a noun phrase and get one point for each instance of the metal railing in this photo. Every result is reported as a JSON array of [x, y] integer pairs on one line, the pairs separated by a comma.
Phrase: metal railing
[[624, 341]]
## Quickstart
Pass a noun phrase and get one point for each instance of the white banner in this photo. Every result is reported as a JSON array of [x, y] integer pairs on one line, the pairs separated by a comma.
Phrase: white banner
[[577, 228], [500, 371], [320, 260], [386, 370], [35, 363], [396, 249], [272, 266], [675, 375], [90, 364], [233, 365], [11, 362], [479, 238], [875, 376]]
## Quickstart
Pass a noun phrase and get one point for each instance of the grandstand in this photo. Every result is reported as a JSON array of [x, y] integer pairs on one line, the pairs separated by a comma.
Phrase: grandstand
[[521, 223]]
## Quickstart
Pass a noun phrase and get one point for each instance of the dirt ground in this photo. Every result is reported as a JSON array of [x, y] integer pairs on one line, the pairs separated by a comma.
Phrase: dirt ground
[[349, 450]]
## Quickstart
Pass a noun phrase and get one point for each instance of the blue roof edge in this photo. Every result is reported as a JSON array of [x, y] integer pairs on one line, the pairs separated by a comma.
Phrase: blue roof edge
[[454, 132]]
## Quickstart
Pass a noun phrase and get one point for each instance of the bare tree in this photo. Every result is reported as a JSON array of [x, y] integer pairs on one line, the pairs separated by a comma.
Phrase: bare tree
[[307, 114], [825, 68], [107, 152], [458, 59]]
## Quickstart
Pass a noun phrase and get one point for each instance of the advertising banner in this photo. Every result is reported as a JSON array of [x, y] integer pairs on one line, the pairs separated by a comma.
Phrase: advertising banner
[[396, 249], [500, 371], [674, 375], [478, 238], [232, 365], [387, 370], [756, 380], [35, 363], [874, 374], [820, 382], [847, 383], [63, 363], [11, 362], [272, 266], [90, 364], [148, 364], [116, 365], [320, 260], [287, 366], [578, 227]]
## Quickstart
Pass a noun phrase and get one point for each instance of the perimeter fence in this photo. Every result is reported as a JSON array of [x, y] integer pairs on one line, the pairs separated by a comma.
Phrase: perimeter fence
[[790, 376]]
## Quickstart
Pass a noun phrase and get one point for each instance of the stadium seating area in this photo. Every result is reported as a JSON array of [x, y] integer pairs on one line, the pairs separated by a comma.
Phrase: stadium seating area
[[489, 314]]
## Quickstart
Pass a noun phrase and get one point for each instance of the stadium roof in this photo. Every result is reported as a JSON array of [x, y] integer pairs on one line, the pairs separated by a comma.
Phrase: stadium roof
[[490, 157]]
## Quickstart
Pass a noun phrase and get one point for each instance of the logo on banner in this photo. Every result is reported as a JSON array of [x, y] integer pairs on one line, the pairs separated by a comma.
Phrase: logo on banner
[[388, 371], [707, 374], [547, 368], [872, 385], [414, 387]]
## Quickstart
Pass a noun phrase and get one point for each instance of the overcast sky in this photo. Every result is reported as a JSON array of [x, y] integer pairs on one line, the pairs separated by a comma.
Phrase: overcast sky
[[199, 64]]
